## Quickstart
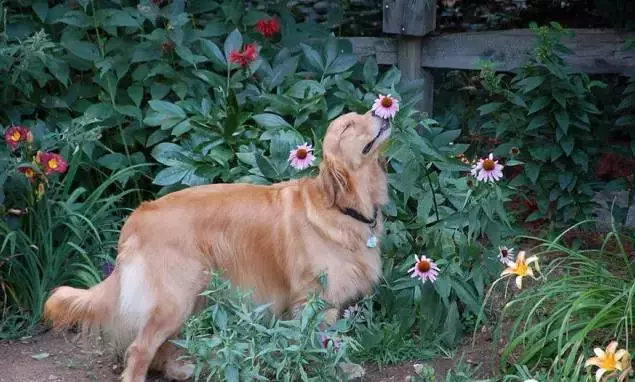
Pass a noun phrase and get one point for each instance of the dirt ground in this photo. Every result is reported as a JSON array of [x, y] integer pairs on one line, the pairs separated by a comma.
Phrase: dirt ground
[[59, 357]]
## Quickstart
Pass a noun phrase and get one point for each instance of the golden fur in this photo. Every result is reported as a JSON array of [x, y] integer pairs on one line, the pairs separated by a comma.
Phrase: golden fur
[[272, 239]]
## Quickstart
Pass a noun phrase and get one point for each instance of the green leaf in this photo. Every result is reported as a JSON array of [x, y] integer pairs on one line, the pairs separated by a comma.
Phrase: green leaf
[[331, 51], [342, 63], [181, 128], [82, 49], [530, 83], [266, 167], [58, 68], [169, 176], [390, 79], [41, 9], [100, 111], [445, 138], [540, 153], [167, 108], [533, 171], [112, 161], [268, 120], [371, 70], [282, 71], [119, 18], [169, 154], [75, 18], [466, 295], [306, 89], [313, 57], [580, 158], [564, 179], [562, 117], [563, 201], [489, 108], [201, 6], [537, 122], [567, 143], [539, 104], [234, 41], [213, 52], [536, 215], [135, 92]]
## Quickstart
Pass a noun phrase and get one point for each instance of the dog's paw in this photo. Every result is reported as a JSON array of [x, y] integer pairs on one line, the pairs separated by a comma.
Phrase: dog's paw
[[352, 370], [179, 372]]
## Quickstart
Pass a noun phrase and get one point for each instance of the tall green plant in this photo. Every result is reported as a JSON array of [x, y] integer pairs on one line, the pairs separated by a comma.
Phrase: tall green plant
[[585, 300], [65, 237], [234, 340], [544, 117]]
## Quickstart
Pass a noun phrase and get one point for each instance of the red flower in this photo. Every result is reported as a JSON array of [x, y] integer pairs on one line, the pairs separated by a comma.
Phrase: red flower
[[51, 162], [269, 27], [249, 54], [28, 172], [17, 134]]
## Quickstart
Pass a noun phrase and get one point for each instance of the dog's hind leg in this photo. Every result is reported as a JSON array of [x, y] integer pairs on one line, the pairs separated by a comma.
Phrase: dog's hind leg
[[166, 361], [161, 325]]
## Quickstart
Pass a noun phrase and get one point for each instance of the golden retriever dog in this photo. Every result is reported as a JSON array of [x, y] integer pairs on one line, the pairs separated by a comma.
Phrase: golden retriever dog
[[273, 240]]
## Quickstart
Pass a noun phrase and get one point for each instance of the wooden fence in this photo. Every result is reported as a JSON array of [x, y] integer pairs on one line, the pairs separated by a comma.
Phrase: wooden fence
[[413, 51]]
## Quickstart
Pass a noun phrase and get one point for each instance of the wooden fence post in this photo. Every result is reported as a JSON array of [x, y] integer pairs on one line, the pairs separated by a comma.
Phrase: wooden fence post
[[412, 19]]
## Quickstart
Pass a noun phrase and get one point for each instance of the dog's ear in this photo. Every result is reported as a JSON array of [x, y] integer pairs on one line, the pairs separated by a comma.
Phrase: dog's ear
[[335, 180]]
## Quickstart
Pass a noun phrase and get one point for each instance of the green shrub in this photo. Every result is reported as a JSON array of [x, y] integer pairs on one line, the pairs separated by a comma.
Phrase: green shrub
[[234, 340], [157, 83]]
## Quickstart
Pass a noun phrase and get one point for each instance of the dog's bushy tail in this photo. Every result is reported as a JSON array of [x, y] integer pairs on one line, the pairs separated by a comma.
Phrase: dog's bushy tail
[[89, 307]]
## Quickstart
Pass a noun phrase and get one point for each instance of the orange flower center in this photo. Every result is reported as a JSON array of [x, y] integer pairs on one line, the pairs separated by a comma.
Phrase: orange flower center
[[15, 136], [521, 269], [301, 153], [386, 102], [489, 165], [29, 173], [52, 163], [423, 266], [609, 363]]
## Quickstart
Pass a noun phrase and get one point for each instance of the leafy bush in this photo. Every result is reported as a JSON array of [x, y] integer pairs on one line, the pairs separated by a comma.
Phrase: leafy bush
[[234, 340], [546, 120], [201, 89], [571, 131]]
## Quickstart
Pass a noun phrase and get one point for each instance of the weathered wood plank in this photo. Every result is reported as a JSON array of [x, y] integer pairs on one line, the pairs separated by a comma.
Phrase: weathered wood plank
[[595, 51], [409, 17]]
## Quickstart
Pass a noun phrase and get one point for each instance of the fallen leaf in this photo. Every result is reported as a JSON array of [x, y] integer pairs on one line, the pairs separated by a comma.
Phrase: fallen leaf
[[40, 356]]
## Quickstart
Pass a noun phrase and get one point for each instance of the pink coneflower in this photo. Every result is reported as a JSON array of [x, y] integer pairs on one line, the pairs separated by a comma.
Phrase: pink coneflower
[[488, 170], [302, 157], [506, 255], [385, 106], [425, 269]]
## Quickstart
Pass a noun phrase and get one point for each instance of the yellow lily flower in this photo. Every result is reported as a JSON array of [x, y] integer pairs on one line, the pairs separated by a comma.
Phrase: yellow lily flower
[[520, 268], [606, 361]]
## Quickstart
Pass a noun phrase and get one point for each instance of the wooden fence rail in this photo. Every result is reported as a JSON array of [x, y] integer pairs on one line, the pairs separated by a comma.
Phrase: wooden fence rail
[[413, 51], [595, 51]]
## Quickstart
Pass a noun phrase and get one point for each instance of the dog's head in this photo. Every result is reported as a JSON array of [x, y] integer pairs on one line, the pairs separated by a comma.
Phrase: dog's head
[[351, 146]]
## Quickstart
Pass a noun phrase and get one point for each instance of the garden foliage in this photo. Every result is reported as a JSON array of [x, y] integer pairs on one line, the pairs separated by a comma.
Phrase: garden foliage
[[144, 99]]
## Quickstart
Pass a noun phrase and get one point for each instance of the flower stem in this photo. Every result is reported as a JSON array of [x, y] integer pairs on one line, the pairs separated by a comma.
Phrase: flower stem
[[434, 198]]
